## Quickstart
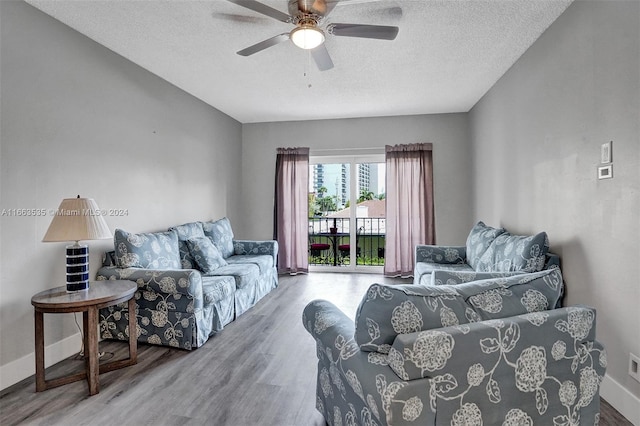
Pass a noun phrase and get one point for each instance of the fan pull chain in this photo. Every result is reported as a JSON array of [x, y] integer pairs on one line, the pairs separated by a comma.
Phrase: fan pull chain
[[307, 67]]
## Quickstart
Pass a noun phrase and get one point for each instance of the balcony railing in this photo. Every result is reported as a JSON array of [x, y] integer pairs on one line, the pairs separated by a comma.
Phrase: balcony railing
[[330, 241]]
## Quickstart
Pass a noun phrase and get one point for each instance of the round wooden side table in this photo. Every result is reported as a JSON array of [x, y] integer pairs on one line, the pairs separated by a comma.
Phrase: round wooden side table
[[99, 295]]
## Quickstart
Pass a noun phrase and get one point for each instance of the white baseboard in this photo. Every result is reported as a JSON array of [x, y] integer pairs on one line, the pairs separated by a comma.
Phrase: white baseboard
[[621, 399], [24, 367]]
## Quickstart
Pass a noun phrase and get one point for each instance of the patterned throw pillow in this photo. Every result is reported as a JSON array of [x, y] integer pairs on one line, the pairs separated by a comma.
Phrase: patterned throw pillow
[[509, 253], [156, 250], [221, 235], [520, 253], [186, 231], [480, 238], [206, 254]]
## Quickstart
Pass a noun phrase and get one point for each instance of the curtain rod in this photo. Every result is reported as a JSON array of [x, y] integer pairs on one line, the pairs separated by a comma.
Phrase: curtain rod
[[377, 148]]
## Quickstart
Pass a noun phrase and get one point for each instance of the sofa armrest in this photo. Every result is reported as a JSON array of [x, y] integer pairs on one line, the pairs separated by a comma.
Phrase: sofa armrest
[[269, 247], [443, 277], [534, 361], [325, 322], [364, 379], [440, 254], [177, 283]]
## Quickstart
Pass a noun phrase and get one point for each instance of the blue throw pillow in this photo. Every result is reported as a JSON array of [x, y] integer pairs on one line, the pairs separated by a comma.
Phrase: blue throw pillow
[[186, 231], [155, 250], [519, 252], [206, 254], [221, 235], [480, 238]]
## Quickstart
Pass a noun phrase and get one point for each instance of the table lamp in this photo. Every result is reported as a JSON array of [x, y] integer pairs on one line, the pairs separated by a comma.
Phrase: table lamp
[[77, 219]]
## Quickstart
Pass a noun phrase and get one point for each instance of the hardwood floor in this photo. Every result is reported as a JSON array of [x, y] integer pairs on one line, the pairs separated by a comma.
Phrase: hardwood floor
[[260, 370]]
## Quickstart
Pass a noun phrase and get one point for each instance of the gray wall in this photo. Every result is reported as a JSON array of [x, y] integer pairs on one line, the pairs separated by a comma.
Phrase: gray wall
[[451, 157], [536, 147], [79, 119]]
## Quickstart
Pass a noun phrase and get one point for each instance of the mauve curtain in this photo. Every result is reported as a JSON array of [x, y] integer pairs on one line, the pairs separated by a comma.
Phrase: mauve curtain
[[291, 218], [410, 212]]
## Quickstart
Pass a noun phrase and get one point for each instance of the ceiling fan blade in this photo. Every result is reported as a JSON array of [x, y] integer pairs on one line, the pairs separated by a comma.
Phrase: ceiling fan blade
[[350, 2], [321, 55], [263, 8], [381, 32], [239, 18], [264, 44], [391, 11]]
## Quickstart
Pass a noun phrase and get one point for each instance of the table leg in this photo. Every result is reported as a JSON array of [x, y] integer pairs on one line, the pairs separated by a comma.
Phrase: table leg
[[91, 349], [39, 324], [133, 331]]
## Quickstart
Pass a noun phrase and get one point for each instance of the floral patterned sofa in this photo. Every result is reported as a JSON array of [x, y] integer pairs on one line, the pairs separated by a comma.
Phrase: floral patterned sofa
[[192, 281], [491, 352], [489, 252]]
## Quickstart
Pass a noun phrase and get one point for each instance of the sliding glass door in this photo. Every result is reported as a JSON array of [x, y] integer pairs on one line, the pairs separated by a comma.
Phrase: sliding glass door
[[347, 213]]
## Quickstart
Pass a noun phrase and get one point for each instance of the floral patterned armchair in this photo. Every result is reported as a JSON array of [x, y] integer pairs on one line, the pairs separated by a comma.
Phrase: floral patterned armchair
[[485, 352]]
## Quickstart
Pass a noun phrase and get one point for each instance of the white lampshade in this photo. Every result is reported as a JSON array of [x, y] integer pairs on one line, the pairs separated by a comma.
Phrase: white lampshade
[[77, 219], [307, 37]]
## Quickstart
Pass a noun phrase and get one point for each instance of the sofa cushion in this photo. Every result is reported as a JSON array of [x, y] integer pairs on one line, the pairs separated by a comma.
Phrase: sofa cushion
[[264, 261], [442, 277], [388, 310], [245, 274], [217, 288], [186, 231], [206, 255], [155, 250], [515, 253], [480, 238], [221, 234]]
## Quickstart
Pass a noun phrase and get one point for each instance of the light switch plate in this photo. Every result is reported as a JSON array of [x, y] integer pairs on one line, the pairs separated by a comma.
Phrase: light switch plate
[[605, 152]]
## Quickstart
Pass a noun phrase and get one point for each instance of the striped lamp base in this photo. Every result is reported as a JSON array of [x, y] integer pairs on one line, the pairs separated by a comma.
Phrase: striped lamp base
[[77, 267]]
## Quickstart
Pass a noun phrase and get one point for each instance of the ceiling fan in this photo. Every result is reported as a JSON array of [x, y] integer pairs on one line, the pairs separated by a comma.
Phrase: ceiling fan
[[308, 16]]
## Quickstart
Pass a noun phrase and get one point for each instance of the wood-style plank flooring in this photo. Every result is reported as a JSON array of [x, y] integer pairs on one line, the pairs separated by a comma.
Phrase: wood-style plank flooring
[[260, 370]]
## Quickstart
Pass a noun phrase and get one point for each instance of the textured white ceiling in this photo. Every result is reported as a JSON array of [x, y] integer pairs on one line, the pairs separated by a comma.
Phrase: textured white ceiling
[[446, 56]]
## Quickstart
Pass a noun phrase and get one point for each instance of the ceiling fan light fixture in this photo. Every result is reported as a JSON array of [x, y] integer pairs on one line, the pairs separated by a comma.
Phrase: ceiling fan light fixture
[[307, 36]]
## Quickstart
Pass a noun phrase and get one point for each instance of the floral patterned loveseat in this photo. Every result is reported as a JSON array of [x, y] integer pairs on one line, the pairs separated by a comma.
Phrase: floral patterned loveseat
[[192, 281], [489, 252], [490, 352]]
